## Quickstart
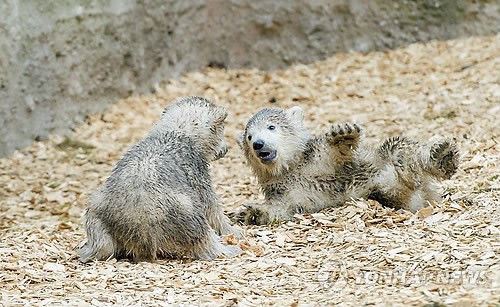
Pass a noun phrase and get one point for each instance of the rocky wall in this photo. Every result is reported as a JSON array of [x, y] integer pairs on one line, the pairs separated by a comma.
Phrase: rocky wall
[[60, 60]]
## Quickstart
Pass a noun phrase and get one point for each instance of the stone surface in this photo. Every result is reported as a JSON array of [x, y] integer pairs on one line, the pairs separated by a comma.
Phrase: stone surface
[[58, 62]]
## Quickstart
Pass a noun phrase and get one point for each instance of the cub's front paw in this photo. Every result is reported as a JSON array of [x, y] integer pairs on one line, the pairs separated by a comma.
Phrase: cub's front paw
[[256, 216], [347, 134], [343, 139], [250, 215]]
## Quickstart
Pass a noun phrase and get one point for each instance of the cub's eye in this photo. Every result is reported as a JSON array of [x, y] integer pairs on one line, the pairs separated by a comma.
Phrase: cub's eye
[[271, 127], [249, 137]]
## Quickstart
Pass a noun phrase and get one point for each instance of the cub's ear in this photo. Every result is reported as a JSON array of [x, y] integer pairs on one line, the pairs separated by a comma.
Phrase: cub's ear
[[240, 139], [296, 114], [220, 115]]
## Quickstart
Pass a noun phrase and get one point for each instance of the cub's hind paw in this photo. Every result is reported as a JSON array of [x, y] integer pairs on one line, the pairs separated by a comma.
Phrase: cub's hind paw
[[444, 158]]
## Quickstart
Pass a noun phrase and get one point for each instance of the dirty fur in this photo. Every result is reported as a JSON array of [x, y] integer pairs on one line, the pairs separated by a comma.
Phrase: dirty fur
[[298, 172], [159, 200]]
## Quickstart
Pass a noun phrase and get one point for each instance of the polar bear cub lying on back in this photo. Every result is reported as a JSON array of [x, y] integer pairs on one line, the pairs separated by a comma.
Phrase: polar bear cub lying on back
[[299, 173]]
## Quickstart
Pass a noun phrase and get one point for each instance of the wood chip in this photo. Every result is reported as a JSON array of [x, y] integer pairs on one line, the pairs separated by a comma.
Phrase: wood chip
[[425, 212]]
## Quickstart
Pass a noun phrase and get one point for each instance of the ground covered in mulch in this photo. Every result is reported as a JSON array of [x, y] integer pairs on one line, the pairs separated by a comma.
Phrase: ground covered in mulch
[[358, 254]]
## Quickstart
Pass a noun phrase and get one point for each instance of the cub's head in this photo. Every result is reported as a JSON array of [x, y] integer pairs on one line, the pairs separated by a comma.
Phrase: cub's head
[[199, 119], [273, 139]]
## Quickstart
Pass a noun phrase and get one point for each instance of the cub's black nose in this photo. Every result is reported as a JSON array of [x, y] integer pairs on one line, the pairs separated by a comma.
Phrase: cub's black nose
[[258, 144]]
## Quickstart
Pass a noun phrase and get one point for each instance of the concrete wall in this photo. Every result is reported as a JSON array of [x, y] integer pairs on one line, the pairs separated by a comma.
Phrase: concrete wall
[[60, 60]]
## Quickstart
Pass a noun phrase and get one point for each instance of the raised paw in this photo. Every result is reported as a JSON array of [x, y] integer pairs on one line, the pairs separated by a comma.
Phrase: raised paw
[[344, 134], [344, 138], [444, 158]]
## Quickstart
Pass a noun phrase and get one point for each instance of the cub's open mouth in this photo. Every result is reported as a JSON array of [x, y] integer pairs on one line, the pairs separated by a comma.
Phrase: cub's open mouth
[[266, 156]]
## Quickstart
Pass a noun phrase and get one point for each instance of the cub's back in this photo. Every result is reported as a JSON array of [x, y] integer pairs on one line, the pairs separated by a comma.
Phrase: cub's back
[[171, 160], [153, 178]]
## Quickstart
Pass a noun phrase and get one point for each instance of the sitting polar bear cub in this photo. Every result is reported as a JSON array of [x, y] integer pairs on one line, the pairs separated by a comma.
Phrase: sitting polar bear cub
[[301, 173], [159, 200]]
